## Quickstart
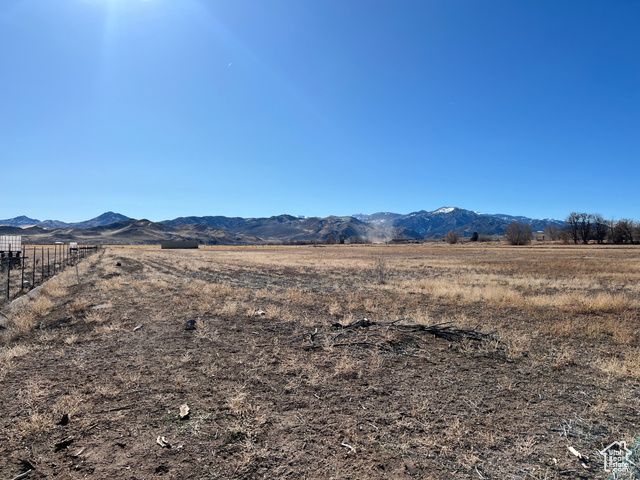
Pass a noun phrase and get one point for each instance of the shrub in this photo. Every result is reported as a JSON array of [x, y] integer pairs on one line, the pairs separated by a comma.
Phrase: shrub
[[452, 237], [518, 233]]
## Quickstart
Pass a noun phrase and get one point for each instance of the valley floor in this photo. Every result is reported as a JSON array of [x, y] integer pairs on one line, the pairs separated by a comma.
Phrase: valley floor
[[93, 374]]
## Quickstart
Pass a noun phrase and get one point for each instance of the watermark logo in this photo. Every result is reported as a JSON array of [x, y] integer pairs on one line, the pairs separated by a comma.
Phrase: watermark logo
[[616, 457]]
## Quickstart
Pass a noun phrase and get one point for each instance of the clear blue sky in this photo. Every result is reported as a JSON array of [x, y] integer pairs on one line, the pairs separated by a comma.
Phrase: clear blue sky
[[164, 108]]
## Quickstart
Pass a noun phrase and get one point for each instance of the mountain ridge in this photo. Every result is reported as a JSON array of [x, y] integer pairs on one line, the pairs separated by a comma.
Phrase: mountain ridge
[[376, 227]]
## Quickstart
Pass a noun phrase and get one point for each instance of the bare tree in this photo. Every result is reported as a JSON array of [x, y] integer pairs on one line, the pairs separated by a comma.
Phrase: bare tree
[[518, 233], [552, 232], [623, 231], [585, 226], [330, 240], [573, 226], [612, 225], [452, 237], [600, 228]]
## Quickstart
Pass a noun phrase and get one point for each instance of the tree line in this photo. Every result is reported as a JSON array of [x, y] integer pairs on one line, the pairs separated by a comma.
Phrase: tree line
[[579, 227]]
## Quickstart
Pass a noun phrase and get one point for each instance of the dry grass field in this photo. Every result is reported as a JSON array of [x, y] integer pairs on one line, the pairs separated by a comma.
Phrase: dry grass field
[[93, 375]]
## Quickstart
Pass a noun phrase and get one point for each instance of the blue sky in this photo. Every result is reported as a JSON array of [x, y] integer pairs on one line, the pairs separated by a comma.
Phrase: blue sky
[[164, 108]]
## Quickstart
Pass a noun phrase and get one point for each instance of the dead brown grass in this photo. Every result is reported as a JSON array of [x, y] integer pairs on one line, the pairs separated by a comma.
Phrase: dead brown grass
[[262, 388]]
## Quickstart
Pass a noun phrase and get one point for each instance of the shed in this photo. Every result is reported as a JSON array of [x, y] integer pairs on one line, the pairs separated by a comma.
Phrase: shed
[[179, 244], [10, 243]]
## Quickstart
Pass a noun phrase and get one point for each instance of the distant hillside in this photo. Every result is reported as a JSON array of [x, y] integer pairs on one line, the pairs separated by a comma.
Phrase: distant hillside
[[20, 221], [383, 219], [130, 232], [104, 219], [113, 227], [284, 228], [437, 223], [287, 228], [228, 223]]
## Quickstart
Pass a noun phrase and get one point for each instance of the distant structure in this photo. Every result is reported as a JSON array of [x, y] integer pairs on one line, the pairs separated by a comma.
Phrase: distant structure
[[179, 244], [11, 248]]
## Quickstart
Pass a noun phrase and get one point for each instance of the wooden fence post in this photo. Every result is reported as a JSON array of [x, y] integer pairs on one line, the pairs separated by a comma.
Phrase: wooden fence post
[[8, 275], [22, 261]]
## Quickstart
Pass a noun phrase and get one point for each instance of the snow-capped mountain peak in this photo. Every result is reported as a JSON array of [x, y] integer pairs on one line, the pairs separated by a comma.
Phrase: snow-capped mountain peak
[[445, 210]]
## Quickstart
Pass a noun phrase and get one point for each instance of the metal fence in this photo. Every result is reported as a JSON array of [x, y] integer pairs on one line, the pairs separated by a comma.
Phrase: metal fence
[[35, 264]]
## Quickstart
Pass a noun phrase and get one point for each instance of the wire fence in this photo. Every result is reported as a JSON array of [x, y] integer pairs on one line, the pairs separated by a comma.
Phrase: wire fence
[[23, 270]]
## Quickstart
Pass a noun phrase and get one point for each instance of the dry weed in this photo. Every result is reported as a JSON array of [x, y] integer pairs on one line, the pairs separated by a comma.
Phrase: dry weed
[[7, 354], [305, 321], [55, 288], [210, 369], [196, 288], [272, 312], [5, 367], [35, 424], [158, 284], [40, 306], [229, 308], [129, 378], [518, 343], [254, 312], [24, 321], [346, 367], [79, 305], [96, 316], [219, 290], [239, 404], [67, 404], [111, 284], [335, 309], [566, 358], [375, 362], [19, 350], [615, 367], [141, 286], [109, 328], [380, 270]]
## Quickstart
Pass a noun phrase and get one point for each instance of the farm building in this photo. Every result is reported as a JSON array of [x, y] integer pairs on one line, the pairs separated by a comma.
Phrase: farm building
[[10, 249], [179, 244]]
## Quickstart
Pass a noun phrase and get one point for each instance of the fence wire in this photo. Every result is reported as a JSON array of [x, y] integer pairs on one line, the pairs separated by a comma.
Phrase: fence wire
[[23, 270]]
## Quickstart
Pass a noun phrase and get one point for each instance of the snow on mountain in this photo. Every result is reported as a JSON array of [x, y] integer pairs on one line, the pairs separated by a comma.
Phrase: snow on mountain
[[445, 210]]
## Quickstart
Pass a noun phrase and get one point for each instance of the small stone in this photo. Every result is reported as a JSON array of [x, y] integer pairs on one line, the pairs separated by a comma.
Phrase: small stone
[[190, 325], [163, 442], [79, 452], [101, 307], [184, 411]]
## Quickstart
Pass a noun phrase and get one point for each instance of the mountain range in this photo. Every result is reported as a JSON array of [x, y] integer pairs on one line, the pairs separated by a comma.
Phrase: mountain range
[[104, 219], [116, 228]]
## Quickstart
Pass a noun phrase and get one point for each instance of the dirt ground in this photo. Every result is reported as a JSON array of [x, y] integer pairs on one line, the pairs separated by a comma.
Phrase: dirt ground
[[93, 374]]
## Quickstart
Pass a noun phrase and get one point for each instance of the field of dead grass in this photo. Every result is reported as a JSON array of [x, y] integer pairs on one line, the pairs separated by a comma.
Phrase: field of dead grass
[[278, 388]]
